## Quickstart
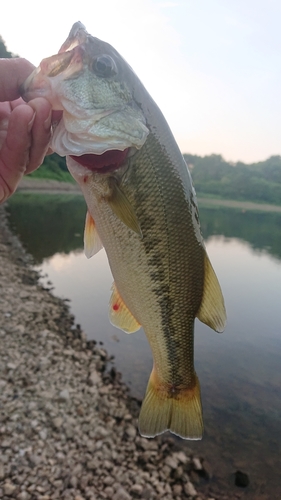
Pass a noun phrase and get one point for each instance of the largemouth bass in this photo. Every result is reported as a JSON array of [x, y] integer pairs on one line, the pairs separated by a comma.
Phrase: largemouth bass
[[142, 208]]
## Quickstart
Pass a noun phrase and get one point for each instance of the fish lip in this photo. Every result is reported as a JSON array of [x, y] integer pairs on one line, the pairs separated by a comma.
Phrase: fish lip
[[26, 90]]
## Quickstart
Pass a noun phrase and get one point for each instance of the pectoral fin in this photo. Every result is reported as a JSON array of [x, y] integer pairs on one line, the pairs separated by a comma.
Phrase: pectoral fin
[[212, 309], [121, 206], [92, 242], [119, 314]]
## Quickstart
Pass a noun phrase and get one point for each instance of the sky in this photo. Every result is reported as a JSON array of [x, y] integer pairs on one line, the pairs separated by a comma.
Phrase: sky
[[212, 66]]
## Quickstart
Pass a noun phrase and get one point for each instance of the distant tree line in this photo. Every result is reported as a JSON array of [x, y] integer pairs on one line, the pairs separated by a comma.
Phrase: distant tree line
[[212, 175]]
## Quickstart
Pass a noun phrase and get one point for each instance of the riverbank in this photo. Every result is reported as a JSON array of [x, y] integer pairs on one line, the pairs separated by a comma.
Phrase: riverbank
[[68, 426], [241, 205], [29, 184]]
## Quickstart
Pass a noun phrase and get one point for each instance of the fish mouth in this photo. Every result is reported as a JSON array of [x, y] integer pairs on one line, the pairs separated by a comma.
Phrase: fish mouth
[[109, 161], [68, 60], [38, 83]]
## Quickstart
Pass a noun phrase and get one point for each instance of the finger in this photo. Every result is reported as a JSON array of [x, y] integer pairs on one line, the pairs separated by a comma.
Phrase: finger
[[41, 132], [14, 153], [13, 73]]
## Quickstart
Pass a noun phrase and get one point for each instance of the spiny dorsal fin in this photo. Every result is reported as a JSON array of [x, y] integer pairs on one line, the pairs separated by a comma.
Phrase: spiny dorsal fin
[[92, 242], [212, 309], [119, 314], [121, 206]]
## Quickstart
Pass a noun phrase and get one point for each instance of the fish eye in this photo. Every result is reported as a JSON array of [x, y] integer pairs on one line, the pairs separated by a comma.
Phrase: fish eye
[[105, 66]]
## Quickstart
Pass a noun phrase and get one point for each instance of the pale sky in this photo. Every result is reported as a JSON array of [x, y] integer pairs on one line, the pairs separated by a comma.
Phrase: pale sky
[[212, 66]]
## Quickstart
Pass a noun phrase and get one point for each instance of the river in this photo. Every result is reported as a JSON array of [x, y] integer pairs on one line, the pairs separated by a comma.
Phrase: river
[[239, 370]]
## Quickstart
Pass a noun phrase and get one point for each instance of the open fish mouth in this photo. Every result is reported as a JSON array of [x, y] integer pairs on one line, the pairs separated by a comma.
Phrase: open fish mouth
[[107, 162]]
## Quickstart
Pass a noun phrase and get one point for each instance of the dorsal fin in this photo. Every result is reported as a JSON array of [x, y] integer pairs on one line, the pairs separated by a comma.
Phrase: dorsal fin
[[212, 309], [92, 242], [119, 314]]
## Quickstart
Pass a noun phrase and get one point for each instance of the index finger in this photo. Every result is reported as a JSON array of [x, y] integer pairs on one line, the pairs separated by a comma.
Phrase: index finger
[[13, 73]]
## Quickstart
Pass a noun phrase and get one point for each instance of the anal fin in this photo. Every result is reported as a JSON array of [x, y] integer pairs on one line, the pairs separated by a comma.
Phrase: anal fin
[[212, 309], [119, 314], [92, 242]]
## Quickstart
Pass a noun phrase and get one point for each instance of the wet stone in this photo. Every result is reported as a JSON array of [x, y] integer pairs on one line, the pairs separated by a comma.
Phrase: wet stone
[[241, 479]]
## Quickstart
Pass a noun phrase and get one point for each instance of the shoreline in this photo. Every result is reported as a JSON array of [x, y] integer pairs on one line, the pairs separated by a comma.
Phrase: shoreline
[[52, 186], [68, 426]]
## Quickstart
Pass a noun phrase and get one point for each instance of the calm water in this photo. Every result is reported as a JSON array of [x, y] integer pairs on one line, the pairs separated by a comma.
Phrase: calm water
[[240, 370]]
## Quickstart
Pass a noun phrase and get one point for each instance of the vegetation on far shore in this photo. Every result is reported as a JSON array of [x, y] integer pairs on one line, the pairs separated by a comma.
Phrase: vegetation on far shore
[[54, 167], [212, 176], [259, 182]]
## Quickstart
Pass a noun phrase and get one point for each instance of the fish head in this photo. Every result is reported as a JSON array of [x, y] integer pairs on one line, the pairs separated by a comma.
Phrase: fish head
[[93, 87]]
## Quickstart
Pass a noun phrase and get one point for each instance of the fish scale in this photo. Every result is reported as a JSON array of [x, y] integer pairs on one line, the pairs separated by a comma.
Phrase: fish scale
[[142, 208]]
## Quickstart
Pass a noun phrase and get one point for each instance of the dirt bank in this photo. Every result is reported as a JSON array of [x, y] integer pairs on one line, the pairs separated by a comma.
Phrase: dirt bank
[[47, 185]]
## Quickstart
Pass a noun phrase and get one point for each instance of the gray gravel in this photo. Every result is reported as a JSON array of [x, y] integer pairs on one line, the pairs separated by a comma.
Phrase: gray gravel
[[68, 427]]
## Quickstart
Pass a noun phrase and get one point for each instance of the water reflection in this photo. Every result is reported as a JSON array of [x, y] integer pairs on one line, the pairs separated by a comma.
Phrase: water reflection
[[48, 224], [260, 230], [239, 370]]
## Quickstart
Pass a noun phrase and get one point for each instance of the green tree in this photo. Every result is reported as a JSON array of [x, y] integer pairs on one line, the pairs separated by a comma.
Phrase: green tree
[[4, 53], [261, 181]]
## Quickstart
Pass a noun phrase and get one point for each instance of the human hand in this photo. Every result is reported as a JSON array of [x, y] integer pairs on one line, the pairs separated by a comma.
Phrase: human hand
[[25, 128]]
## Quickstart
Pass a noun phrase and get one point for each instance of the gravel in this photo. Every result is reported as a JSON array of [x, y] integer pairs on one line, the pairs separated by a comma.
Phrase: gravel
[[68, 426]]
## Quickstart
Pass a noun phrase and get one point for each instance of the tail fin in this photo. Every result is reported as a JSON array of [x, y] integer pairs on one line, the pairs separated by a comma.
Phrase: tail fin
[[179, 412]]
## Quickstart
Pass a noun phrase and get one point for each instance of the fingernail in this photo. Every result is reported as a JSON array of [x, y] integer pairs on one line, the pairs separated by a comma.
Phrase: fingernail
[[30, 124], [47, 122]]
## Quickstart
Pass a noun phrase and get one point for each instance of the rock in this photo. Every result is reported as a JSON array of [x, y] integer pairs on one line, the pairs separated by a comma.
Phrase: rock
[[181, 457], [177, 489], [93, 464], [24, 495], [109, 491], [64, 395], [178, 472], [130, 431], [57, 422], [121, 494], [136, 490], [43, 434], [9, 489], [108, 480], [189, 489], [241, 479], [171, 462], [197, 464]]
